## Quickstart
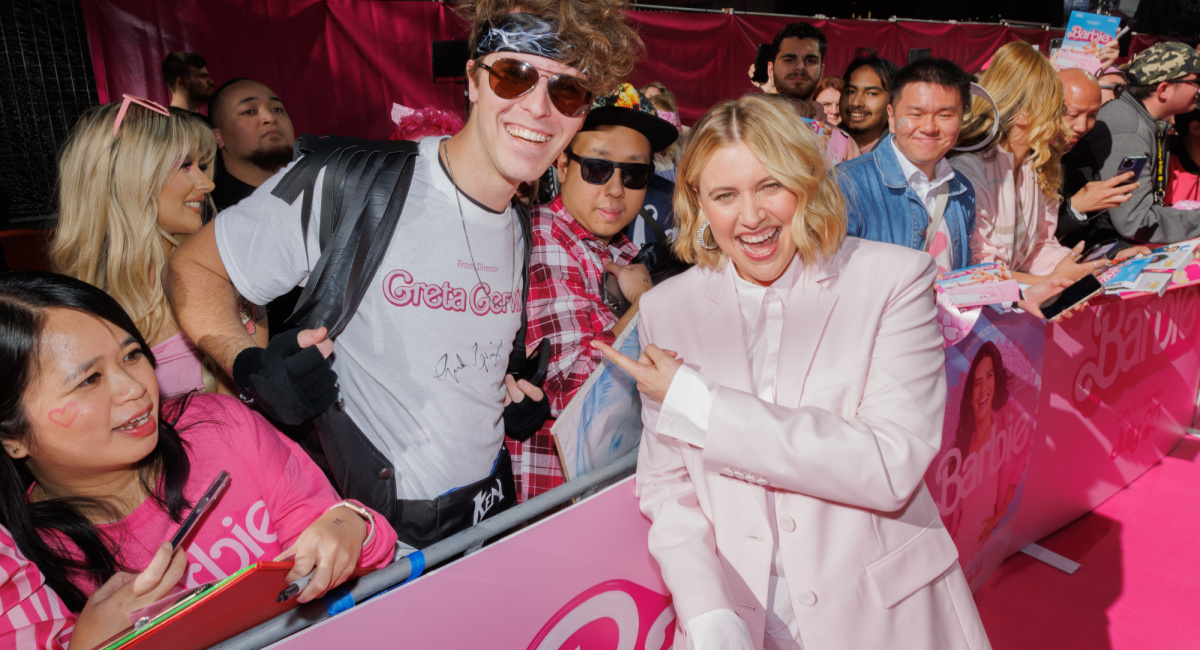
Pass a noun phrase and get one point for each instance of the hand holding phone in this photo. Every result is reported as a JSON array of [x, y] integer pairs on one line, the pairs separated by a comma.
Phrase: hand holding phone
[[1083, 289], [1104, 195], [765, 56], [1133, 164]]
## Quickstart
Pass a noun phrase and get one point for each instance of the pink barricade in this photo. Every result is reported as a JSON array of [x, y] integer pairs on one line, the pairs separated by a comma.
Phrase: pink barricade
[[1043, 423], [1119, 391], [580, 579]]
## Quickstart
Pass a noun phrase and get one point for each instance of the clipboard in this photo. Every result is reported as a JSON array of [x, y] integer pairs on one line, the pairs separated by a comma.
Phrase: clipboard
[[212, 613]]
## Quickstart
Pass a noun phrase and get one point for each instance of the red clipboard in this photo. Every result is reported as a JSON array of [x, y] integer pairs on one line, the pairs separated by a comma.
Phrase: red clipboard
[[229, 608]]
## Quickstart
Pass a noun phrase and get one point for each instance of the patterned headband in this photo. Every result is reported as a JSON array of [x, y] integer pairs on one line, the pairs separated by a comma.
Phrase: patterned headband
[[522, 33]]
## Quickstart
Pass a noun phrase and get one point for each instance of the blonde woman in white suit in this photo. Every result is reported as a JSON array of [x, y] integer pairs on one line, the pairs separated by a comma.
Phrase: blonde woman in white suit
[[794, 392]]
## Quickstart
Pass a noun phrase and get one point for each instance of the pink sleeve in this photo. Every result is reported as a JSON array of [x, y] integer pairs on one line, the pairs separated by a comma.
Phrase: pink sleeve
[[297, 491], [1047, 252], [31, 615], [986, 245]]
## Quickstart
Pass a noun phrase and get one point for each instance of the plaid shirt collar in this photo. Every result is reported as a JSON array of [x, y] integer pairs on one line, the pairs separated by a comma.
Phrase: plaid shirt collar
[[564, 220]]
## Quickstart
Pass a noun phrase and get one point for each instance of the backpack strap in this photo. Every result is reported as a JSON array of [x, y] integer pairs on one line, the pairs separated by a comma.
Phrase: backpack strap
[[516, 358], [362, 196]]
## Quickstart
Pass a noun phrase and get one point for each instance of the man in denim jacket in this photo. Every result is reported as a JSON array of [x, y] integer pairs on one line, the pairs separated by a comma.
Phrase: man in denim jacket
[[894, 192]]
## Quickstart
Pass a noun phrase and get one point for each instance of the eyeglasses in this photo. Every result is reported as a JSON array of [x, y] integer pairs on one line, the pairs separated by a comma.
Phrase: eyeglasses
[[511, 79], [140, 101], [597, 171], [1194, 82], [1116, 89]]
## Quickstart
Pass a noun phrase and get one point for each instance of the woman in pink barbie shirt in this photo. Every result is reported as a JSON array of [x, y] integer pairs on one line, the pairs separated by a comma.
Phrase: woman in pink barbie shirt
[[98, 471]]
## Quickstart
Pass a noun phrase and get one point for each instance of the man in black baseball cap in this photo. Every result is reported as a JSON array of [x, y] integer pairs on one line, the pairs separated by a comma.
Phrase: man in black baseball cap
[[578, 242], [1164, 82]]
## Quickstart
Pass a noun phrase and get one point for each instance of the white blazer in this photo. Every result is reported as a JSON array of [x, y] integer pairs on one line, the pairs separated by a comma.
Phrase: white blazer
[[861, 396]]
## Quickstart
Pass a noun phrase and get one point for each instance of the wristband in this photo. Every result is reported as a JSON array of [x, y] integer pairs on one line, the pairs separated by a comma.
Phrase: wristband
[[362, 511]]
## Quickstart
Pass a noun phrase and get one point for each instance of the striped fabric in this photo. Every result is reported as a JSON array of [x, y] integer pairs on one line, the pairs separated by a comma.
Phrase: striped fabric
[[33, 616]]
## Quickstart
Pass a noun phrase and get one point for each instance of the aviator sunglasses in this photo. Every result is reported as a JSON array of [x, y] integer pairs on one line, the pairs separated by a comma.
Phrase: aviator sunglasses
[[597, 171], [511, 79]]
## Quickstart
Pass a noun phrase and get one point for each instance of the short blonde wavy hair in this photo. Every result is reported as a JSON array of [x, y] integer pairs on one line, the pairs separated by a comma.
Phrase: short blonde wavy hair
[[109, 187], [1020, 79], [773, 131]]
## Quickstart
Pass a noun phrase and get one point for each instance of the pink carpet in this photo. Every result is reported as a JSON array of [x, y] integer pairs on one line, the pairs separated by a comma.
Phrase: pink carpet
[[1139, 586]]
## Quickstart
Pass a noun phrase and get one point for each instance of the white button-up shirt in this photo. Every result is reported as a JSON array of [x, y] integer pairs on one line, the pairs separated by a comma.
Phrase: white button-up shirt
[[926, 190]]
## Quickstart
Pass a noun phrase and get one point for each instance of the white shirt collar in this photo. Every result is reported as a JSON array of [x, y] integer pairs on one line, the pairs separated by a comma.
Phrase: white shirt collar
[[751, 296], [944, 172]]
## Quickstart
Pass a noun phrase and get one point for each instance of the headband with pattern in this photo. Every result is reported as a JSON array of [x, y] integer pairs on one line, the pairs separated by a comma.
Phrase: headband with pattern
[[522, 33]]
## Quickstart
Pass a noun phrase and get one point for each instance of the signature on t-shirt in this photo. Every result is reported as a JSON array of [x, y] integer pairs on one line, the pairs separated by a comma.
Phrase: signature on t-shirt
[[480, 360]]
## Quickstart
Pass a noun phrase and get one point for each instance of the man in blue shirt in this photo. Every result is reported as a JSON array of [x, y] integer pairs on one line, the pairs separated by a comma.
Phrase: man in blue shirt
[[904, 191]]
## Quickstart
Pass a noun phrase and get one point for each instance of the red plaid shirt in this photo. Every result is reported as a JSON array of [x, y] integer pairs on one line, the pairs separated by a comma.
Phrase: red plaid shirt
[[565, 308]]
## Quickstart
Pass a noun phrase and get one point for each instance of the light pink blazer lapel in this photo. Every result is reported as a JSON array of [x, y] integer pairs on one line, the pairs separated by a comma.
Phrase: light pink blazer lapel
[[720, 326], [725, 359], [808, 311]]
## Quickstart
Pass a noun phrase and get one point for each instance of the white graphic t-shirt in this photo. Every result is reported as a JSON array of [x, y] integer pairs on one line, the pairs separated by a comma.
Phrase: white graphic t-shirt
[[421, 365]]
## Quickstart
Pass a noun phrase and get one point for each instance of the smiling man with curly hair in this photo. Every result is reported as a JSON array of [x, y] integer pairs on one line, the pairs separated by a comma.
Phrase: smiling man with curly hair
[[421, 366]]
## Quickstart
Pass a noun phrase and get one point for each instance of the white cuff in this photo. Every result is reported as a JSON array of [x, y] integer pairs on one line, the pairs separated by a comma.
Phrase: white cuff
[[1079, 216], [686, 407], [719, 629]]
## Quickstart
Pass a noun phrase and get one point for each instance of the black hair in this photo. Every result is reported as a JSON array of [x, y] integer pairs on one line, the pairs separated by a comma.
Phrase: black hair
[[214, 102], [966, 412], [1140, 91], [940, 72], [176, 65], [25, 297], [1184, 120], [882, 67], [801, 31]]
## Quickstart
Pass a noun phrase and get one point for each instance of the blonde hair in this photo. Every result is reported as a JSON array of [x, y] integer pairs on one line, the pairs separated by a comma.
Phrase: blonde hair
[[109, 187], [1021, 80], [668, 158], [770, 127]]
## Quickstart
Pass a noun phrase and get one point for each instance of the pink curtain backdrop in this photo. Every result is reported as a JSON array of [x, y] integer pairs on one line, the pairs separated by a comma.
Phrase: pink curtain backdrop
[[340, 64]]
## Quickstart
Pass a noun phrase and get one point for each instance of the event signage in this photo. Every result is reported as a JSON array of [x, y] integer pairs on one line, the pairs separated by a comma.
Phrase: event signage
[[994, 378], [1120, 388], [582, 579]]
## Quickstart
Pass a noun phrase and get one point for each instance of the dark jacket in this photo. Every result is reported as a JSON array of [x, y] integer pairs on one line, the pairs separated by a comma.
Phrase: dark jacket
[[1125, 128]]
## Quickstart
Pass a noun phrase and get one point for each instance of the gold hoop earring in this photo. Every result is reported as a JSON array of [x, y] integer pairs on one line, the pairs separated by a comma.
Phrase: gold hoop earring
[[704, 228]]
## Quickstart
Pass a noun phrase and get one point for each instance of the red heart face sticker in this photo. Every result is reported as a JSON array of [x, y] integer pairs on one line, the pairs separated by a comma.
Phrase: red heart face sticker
[[64, 416]]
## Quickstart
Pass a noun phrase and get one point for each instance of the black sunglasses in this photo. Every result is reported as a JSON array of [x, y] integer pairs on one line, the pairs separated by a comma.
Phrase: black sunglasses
[[511, 79], [1116, 89], [597, 171]]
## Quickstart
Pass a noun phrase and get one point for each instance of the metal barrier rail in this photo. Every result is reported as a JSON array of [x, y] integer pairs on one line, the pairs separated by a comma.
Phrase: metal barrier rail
[[466, 542]]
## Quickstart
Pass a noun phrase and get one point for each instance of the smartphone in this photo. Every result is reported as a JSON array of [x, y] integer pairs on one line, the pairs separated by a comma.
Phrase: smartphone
[[214, 492], [1099, 250], [1084, 288], [535, 366], [918, 53], [1133, 164], [766, 54]]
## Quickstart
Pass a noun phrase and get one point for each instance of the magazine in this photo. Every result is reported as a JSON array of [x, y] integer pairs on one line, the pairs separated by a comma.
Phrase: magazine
[[981, 284], [603, 421], [1123, 276], [1173, 257], [1086, 35]]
